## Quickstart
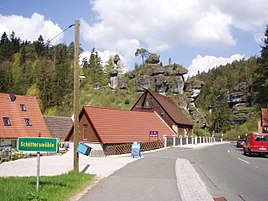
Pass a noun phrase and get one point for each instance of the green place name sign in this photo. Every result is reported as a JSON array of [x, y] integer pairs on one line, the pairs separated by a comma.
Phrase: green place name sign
[[38, 144]]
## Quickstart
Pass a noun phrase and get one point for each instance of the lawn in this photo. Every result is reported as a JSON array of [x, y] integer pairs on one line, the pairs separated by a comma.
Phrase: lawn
[[52, 188]]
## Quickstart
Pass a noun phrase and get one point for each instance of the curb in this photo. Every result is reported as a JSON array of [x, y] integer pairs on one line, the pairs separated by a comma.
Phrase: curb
[[190, 185]]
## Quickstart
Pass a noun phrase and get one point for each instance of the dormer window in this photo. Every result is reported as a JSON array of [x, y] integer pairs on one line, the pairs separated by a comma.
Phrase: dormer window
[[22, 107], [27, 122], [6, 121]]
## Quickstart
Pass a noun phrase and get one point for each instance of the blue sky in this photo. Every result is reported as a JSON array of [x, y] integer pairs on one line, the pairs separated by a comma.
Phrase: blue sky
[[198, 34]]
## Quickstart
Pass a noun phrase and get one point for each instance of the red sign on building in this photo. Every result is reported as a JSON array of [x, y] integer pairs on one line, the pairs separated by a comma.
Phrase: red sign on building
[[153, 133]]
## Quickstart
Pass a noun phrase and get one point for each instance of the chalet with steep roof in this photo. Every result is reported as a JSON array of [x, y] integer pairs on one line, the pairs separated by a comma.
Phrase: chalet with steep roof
[[115, 126], [152, 101], [20, 117]]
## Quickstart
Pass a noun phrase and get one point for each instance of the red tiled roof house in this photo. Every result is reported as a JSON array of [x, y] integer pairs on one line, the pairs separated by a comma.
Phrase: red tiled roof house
[[167, 109], [114, 126], [20, 117]]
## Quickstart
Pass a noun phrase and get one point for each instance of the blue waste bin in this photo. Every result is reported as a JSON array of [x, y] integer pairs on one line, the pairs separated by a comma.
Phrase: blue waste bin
[[136, 149], [83, 149]]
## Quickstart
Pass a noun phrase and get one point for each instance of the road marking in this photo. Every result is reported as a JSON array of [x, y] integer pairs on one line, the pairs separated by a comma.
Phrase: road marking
[[243, 160], [228, 151]]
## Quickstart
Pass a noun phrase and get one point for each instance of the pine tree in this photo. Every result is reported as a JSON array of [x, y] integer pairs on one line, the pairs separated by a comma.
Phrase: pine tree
[[261, 75]]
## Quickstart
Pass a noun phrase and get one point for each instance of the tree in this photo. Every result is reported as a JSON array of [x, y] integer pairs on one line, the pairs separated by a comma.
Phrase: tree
[[5, 48], [40, 47], [143, 53], [6, 80], [261, 74], [220, 117], [93, 69]]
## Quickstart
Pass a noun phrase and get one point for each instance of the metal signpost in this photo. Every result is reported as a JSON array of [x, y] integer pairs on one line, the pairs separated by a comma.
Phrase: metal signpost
[[40, 145]]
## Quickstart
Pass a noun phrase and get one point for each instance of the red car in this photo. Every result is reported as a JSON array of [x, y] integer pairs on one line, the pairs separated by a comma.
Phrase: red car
[[256, 143], [240, 143]]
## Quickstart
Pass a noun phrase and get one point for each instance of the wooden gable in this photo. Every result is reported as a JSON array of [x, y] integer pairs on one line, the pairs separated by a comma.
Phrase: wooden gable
[[87, 132], [166, 109]]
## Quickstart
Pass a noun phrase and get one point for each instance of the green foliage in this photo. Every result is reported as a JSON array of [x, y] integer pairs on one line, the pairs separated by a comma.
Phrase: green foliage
[[52, 188], [198, 131], [261, 75], [218, 82], [248, 127], [127, 101]]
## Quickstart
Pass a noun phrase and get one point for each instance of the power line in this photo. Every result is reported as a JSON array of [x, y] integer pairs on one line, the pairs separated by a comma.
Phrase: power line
[[61, 33]]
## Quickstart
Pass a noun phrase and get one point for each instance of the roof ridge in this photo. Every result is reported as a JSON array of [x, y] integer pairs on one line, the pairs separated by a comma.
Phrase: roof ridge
[[117, 109], [56, 116]]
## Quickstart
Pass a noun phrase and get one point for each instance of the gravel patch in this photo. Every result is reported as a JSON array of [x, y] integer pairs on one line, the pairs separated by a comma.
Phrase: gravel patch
[[59, 164]]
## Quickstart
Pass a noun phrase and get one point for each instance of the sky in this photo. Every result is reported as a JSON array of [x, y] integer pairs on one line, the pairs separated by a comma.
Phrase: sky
[[197, 34]]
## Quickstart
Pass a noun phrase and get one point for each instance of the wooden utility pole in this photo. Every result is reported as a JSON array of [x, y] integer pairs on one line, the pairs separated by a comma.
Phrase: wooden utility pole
[[76, 96]]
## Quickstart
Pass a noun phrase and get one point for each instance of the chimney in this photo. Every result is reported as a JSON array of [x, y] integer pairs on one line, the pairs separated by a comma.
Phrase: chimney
[[12, 97]]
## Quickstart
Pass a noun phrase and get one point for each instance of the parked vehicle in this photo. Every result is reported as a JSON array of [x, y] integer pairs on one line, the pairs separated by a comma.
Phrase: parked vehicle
[[240, 143], [256, 143]]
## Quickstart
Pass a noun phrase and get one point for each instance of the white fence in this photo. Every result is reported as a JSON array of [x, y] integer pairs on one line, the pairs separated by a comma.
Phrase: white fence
[[180, 140]]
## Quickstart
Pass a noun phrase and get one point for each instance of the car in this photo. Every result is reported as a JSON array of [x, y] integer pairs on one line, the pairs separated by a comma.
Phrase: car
[[256, 143], [240, 143]]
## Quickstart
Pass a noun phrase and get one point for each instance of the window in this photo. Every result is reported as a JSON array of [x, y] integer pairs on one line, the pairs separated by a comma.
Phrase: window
[[27, 122], [147, 102], [22, 107], [85, 130], [6, 121]]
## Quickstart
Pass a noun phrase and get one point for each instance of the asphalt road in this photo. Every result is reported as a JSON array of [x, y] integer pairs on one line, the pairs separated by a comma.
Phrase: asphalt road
[[151, 178], [223, 168], [228, 173]]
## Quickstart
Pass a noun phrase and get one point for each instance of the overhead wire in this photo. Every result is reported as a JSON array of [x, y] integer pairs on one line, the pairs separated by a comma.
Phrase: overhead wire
[[61, 33]]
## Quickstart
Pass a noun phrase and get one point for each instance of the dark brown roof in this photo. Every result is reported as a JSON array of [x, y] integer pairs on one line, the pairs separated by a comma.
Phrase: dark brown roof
[[58, 126], [264, 116], [123, 126], [13, 111], [170, 108]]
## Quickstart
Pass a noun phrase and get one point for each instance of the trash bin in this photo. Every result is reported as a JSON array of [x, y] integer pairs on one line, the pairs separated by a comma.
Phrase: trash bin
[[136, 149], [83, 148]]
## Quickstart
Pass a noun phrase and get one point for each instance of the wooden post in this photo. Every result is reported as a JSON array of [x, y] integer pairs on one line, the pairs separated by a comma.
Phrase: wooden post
[[76, 96]]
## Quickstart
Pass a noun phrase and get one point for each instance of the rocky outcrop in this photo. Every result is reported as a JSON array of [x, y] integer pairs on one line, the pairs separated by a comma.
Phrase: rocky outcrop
[[192, 90], [114, 78], [153, 59], [238, 100]]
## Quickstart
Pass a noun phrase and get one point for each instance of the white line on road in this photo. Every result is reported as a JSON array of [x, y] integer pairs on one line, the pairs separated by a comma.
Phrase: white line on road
[[243, 160]]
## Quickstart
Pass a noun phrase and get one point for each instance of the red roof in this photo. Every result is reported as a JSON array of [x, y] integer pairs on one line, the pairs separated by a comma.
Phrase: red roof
[[13, 111], [264, 116], [123, 126]]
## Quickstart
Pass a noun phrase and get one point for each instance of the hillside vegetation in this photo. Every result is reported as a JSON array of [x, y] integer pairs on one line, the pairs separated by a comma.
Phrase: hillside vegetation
[[45, 71]]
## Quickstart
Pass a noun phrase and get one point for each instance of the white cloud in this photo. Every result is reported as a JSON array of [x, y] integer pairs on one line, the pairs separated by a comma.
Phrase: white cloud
[[30, 28], [125, 25], [203, 64]]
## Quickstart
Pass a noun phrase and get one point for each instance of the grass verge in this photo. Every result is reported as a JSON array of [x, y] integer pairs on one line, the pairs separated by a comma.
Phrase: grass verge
[[52, 188]]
